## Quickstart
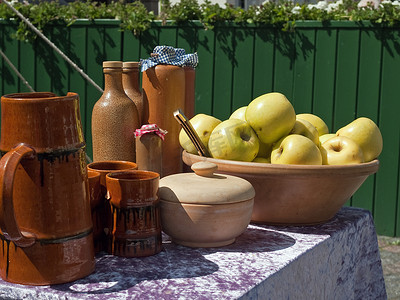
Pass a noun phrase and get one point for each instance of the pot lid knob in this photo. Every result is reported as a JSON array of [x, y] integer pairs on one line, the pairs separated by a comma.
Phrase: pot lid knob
[[204, 168]]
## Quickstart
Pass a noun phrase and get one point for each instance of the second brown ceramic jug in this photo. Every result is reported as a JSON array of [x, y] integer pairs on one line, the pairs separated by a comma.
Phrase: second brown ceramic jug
[[45, 219]]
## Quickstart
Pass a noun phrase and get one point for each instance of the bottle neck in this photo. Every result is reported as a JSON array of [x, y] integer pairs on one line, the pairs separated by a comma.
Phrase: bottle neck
[[113, 80], [130, 79]]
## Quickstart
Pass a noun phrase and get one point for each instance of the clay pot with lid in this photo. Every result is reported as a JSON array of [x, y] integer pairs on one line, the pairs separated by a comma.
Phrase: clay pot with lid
[[205, 209]]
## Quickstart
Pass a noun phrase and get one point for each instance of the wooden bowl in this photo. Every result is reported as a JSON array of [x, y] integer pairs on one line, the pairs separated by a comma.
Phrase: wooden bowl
[[295, 194]]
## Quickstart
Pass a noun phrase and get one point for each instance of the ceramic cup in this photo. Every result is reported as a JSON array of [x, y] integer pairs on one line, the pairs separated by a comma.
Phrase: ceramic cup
[[136, 221], [100, 212], [95, 206]]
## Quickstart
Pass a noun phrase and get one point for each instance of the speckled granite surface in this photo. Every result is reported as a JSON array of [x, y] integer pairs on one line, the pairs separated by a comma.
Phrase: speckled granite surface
[[336, 260]]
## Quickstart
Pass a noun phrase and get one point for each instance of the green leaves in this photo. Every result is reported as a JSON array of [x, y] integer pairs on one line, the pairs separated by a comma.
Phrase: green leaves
[[135, 17]]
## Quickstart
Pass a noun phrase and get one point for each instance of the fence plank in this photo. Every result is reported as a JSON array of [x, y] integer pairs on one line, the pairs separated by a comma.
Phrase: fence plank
[[223, 72], [302, 97], [387, 177], [205, 72], [76, 39], [95, 56], [346, 77], [285, 56], [324, 75], [368, 101], [26, 68], [242, 67], [263, 70], [10, 49], [131, 47]]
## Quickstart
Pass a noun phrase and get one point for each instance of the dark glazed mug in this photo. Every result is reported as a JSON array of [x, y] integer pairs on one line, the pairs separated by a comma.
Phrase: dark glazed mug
[[101, 212], [46, 227], [135, 213]]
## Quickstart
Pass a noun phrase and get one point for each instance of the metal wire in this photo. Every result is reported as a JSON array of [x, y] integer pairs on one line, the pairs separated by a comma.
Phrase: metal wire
[[24, 81], [52, 45]]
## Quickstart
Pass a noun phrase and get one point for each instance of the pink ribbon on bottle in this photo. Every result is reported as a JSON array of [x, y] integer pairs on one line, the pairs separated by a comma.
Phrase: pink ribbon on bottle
[[151, 128]]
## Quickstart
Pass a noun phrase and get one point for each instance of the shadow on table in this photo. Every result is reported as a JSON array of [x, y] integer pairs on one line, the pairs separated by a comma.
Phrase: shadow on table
[[257, 240], [114, 274], [346, 216]]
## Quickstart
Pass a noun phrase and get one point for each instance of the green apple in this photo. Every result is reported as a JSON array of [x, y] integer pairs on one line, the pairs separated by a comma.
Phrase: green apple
[[239, 113], [306, 129], [262, 160], [318, 123], [325, 137], [203, 124], [272, 116], [341, 150], [233, 139], [296, 149], [366, 134]]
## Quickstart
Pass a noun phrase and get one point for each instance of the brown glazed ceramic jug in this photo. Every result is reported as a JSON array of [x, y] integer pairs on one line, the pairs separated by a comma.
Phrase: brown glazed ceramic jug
[[164, 91], [190, 78], [114, 119], [46, 227], [130, 82]]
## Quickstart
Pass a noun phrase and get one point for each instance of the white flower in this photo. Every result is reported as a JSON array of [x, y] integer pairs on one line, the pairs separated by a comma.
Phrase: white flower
[[396, 3], [322, 4], [296, 9], [332, 6]]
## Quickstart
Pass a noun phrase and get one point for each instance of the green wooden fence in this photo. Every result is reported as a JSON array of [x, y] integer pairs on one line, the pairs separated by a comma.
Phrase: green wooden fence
[[339, 71]]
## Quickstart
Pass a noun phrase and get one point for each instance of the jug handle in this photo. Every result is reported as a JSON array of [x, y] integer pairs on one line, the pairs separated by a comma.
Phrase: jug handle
[[8, 167]]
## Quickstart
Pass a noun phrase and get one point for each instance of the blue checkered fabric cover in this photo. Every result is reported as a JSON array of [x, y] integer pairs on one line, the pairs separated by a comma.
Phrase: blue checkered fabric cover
[[169, 56]]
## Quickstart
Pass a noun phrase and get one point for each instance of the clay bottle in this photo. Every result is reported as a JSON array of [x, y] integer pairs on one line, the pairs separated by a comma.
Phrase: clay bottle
[[114, 119], [130, 82], [164, 92]]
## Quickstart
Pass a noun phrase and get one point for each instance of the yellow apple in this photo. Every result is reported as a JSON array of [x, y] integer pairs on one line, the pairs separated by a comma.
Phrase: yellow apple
[[262, 160], [325, 137], [296, 149], [341, 150], [233, 139], [318, 123], [239, 113], [272, 116], [366, 134], [203, 124], [306, 129]]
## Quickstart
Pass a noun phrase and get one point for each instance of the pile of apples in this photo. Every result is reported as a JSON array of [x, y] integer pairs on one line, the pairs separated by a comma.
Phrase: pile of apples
[[268, 130]]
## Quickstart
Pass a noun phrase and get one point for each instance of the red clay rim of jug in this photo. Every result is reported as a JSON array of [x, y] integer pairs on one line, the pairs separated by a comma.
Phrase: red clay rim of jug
[[37, 96]]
